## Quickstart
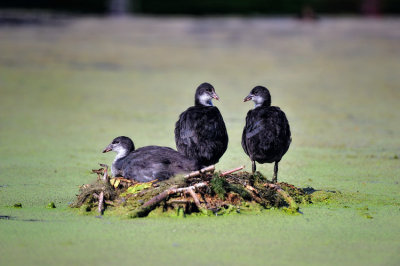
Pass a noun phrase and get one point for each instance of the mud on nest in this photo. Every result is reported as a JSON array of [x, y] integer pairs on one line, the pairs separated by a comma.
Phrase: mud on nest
[[208, 193]]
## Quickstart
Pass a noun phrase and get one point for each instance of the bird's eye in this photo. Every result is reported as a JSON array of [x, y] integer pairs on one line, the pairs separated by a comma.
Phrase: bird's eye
[[115, 142]]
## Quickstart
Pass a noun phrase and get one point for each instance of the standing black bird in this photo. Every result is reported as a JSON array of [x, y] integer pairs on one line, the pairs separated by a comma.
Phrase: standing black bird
[[147, 163], [200, 132], [266, 135]]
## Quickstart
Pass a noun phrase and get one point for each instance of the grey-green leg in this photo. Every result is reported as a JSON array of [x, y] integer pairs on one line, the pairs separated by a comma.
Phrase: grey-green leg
[[275, 179], [253, 166]]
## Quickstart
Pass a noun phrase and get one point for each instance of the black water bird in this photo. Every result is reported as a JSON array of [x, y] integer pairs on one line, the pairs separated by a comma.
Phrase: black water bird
[[147, 163], [266, 136], [200, 132]]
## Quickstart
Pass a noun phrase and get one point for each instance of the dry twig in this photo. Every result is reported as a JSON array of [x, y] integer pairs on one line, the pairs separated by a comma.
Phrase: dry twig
[[210, 168], [152, 203], [196, 200], [101, 203], [232, 171]]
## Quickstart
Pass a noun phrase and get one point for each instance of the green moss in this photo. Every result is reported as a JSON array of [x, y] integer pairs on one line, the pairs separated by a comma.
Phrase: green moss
[[250, 208], [51, 205], [17, 205], [299, 195], [291, 211], [218, 185], [239, 190], [367, 215], [135, 188], [321, 196]]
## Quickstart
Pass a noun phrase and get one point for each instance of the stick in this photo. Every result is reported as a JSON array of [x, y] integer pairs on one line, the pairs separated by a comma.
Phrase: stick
[[157, 199], [99, 172], [109, 202], [184, 189], [232, 171], [284, 194], [105, 176], [152, 203], [210, 168], [196, 199], [101, 203]]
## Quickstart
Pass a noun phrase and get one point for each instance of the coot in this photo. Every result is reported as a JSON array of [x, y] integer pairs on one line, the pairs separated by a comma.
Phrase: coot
[[266, 135], [147, 163], [200, 132]]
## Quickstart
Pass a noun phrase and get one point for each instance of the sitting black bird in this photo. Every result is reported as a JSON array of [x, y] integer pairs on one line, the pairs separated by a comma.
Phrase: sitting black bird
[[266, 135], [147, 163], [200, 132]]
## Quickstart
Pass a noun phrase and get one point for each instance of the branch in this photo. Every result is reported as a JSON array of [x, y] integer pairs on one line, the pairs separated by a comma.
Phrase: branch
[[105, 176], [101, 203], [210, 168], [152, 203], [179, 201], [99, 172], [232, 171], [196, 200]]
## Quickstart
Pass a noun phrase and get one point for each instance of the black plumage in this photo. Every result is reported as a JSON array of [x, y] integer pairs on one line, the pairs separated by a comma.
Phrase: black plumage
[[147, 163], [266, 135], [200, 132]]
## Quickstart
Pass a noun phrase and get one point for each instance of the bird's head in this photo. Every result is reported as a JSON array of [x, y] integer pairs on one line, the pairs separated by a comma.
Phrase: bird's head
[[260, 96], [204, 94], [121, 145]]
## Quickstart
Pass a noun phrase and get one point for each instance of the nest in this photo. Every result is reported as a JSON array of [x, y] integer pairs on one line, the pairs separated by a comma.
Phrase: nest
[[203, 192]]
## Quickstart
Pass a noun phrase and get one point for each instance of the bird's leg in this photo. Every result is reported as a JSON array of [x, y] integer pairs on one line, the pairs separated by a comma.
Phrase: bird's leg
[[253, 166], [275, 179]]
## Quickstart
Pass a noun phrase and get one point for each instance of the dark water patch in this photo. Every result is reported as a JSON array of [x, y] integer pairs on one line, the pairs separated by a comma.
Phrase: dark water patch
[[21, 18], [309, 190], [31, 220], [12, 218], [332, 191], [6, 217]]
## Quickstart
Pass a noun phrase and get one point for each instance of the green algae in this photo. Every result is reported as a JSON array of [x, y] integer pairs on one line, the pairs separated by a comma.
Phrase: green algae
[[339, 91], [135, 188], [51, 205]]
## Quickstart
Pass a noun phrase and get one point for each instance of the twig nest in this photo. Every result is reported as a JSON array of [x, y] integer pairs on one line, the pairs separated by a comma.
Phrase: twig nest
[[201, 194]]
